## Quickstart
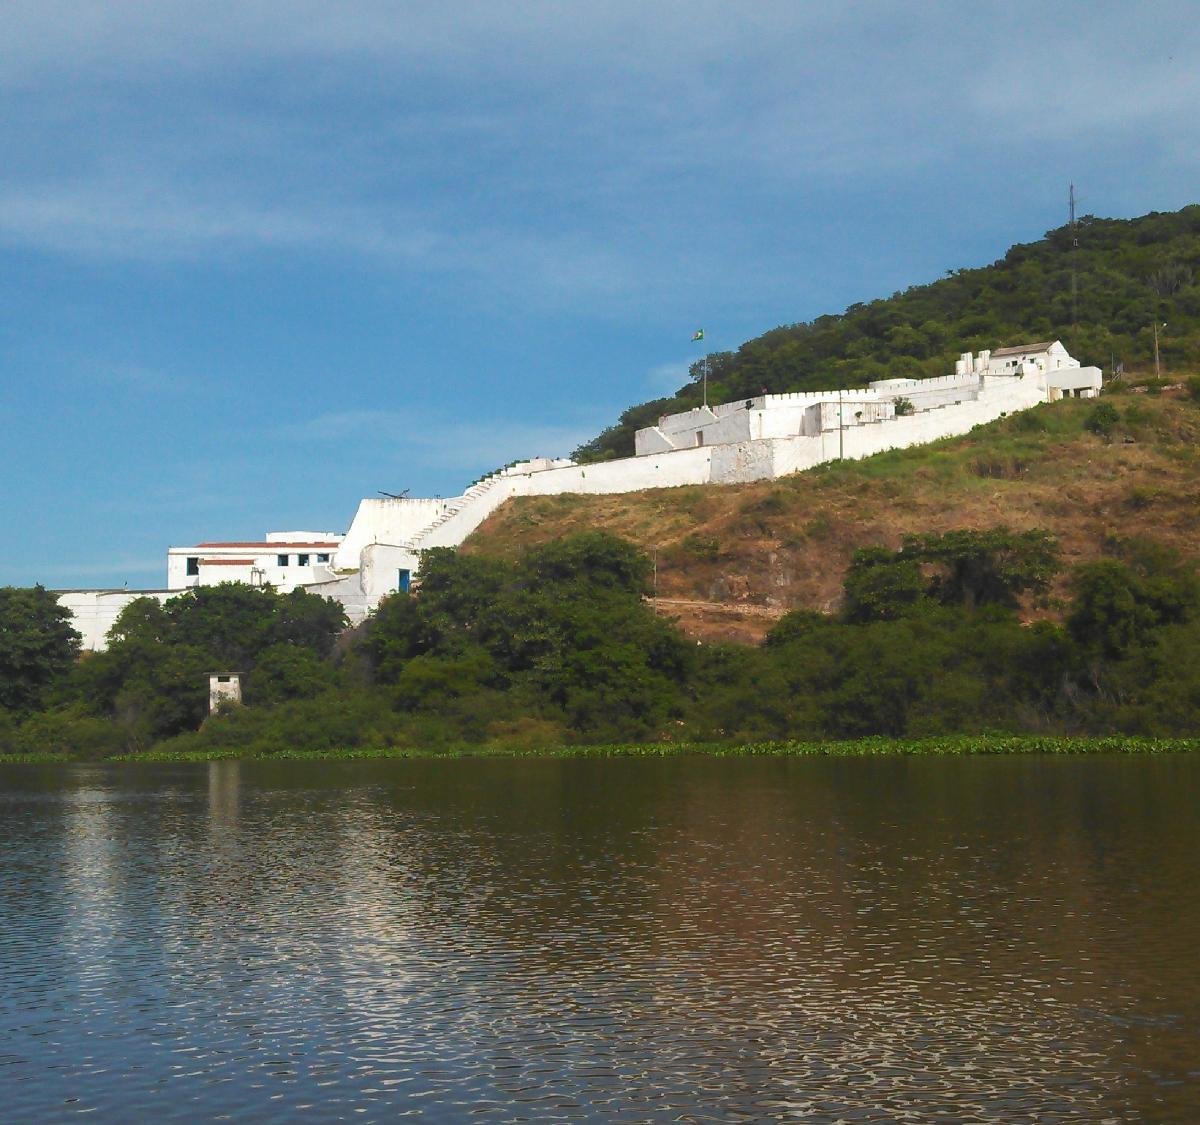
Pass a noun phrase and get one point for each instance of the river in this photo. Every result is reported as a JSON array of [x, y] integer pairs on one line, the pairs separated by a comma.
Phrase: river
[[729, 940]]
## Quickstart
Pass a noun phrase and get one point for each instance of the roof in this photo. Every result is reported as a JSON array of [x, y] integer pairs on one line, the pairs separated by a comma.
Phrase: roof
[[1026, 349], [267, 546]]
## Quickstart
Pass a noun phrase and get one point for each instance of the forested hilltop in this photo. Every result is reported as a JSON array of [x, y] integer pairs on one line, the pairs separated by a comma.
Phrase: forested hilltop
[[1128, 274]]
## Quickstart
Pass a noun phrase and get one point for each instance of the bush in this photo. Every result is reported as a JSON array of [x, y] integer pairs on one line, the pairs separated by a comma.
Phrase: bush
[[69, 733], [1102, 419]]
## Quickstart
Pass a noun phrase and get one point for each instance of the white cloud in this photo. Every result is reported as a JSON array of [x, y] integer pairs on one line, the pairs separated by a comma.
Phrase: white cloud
[[559, 154]]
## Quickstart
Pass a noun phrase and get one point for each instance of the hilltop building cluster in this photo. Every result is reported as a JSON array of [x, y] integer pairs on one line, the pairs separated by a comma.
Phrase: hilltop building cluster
[[758, 438]]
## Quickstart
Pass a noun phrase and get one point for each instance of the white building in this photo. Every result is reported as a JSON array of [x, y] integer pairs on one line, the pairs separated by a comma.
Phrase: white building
[[1046, 367], [758, 438], [284, 559]]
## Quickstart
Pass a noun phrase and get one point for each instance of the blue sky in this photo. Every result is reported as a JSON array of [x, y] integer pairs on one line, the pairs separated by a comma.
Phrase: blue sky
[[258, 260]]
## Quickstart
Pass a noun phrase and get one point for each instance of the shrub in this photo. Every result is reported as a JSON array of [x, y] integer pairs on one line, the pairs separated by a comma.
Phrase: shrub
[[1102, 419]]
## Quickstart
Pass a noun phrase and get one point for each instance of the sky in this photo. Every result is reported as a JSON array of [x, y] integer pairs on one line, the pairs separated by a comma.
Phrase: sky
[[261, 258]]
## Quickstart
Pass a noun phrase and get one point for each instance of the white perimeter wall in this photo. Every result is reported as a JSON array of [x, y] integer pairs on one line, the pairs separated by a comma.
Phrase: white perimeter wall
[[94, 612], [743, 461]]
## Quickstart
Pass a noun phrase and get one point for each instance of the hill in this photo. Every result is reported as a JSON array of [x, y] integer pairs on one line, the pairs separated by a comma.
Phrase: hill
[[732, 559], [1128, 274]]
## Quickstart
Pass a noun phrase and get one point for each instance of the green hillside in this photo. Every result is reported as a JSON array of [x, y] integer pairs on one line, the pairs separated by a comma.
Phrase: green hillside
[[1128, 273]]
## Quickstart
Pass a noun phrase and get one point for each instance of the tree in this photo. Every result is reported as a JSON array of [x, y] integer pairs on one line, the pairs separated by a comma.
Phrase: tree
[[288, 671], [1112, 611], [880, 585], [975, 568], [37, 645]]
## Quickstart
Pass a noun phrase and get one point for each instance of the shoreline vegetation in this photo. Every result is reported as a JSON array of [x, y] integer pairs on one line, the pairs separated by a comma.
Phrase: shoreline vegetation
[[987, 745]]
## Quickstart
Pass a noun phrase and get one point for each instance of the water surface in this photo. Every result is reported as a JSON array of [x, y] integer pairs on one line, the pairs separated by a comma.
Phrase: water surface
[[992, 939]]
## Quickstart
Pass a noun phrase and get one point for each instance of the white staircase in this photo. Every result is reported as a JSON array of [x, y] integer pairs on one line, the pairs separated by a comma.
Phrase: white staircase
[[473, 506]]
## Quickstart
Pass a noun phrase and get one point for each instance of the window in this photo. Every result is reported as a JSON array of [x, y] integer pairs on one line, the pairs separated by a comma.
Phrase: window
[[302, 560], [322, 558], [193, 565], [281, 560], [223, 679]]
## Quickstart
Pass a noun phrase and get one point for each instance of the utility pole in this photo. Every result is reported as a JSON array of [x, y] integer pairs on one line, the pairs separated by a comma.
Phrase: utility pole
[[1074, 260], [1157, 365]]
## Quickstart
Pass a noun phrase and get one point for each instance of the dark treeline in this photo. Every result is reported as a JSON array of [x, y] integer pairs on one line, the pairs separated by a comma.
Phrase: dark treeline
[[1129, 274], [563, 646]]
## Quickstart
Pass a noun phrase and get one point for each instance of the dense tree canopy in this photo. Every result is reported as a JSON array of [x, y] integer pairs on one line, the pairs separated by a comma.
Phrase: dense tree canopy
[[565, 632], [153, 678], [562, 644], [37, 645]]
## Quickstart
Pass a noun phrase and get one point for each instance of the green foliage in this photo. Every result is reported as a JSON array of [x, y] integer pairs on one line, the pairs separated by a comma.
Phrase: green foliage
[[37, 646], [70, 733], [1115, 605], [562, 646], [881, 585], [153, 678], [565, 631], [617, 440], [289, 671], [1103, 419], [968, 568], [993, 567], [234, 622], [1129, 272]]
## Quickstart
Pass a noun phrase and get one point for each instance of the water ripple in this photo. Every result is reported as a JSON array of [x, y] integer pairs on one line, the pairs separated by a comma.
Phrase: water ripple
[[954, 940]]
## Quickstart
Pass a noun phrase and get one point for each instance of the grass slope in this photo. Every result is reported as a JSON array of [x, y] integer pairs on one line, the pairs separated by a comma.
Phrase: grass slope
[[741, 555]]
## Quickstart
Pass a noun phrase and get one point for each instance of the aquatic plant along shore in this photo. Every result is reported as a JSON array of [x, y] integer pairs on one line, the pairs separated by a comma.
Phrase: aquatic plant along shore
[[961, 745]]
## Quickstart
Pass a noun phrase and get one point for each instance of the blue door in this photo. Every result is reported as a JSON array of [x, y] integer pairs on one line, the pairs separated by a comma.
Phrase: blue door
[[405, 581]]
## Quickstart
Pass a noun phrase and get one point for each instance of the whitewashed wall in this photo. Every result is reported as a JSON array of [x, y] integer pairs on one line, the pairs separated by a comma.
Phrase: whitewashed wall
[[386, 521], [93, 612]]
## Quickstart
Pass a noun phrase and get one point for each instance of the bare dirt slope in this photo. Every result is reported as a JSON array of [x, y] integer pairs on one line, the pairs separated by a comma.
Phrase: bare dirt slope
[[732, 559]]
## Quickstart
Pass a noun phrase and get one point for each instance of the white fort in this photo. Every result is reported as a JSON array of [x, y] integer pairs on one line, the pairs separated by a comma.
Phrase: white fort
[[757, 438]]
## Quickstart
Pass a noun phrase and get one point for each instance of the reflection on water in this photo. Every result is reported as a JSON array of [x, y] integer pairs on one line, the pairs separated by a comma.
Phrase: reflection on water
[[698, 940]]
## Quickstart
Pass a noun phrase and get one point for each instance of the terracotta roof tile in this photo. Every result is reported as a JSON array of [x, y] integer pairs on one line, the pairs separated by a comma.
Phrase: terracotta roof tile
[[280, 547]]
